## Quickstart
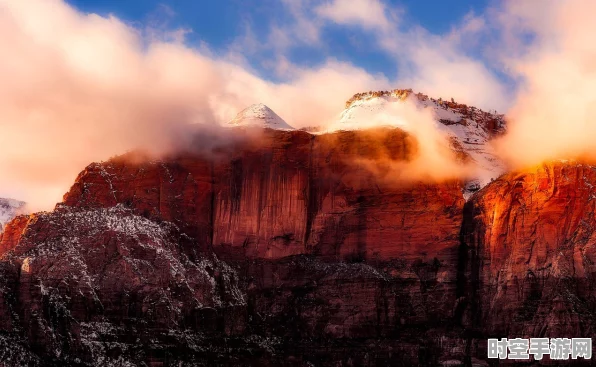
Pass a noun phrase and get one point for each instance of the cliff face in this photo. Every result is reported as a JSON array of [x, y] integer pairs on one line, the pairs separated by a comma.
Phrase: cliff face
[[530, 239], [322, 249], [292, 251], [294, 193]]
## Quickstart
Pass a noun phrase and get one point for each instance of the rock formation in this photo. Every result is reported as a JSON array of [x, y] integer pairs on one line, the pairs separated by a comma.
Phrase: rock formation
[[259, 115], [291, 251], [529, 245]]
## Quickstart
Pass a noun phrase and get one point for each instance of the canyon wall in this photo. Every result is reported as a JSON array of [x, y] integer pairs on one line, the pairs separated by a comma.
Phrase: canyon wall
[[294, 250], [529, 240], [292, 193]]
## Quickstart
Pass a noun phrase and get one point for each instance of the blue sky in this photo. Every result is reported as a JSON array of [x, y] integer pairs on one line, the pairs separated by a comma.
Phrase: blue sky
[[445, 49], [225, 24]]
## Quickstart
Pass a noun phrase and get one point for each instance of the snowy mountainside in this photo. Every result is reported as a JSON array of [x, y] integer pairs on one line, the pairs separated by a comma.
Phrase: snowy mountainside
[[259, 115], [468, 127], [9, 208]]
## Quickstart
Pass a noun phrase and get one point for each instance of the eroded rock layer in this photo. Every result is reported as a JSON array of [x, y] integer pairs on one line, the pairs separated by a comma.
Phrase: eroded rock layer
[[296, 250]]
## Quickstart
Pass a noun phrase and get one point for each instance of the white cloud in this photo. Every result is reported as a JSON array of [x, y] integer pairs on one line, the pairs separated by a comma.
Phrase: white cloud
[[368, 14]]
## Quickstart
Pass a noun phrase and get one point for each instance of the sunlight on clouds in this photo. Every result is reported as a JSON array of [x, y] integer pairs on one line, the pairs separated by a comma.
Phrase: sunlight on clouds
[[79, 88], [554, 115]]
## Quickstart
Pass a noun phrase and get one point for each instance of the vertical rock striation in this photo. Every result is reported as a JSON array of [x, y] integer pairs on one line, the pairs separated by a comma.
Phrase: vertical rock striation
[[530, 243], [299, 249]]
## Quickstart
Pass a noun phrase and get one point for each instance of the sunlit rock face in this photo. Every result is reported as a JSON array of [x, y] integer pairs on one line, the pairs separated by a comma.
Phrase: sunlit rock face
[[530, 241], [285, 239], [293, 194], [299, 249]]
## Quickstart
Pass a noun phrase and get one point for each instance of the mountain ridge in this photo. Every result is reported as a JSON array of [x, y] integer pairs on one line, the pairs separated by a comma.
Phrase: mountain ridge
[[467, 129]]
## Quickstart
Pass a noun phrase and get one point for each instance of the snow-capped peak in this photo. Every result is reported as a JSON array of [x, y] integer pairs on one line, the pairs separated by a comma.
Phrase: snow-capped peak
[[468, 128], [260, 115]]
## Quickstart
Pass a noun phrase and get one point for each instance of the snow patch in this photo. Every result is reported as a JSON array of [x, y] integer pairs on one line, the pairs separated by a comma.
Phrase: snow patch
[[9, 208], [259, 115]]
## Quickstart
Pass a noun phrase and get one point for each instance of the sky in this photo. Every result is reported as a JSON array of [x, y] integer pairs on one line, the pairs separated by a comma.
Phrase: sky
[[83, 81], [257, 30]]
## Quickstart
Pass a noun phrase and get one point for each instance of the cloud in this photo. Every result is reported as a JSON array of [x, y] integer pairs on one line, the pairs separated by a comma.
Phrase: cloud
[[78, 88], [448, 65], [440, 65], [305, 28], [297, 28], [368, 14], [445, 65], [554, 115], [434, 160]]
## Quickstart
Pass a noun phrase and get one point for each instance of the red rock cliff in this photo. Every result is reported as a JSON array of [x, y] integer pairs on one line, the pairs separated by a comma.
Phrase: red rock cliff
[[294, 193], [530, 244], [291, 252], [323, 249]]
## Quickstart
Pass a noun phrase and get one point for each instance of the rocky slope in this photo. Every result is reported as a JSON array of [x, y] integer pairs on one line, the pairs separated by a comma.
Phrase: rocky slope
[[108, 287], [290, 251]]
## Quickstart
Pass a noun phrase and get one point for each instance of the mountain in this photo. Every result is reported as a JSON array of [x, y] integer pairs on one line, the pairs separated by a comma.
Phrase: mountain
[[284, 251], [9, 208], [287, 252], [259, 115], [469, 129]]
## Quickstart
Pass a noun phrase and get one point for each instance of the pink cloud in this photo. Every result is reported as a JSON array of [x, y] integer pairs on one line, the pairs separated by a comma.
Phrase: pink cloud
[[78, 88]]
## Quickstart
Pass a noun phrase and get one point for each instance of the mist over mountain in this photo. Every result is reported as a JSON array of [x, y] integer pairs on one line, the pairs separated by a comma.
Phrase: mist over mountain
[[241, 184]]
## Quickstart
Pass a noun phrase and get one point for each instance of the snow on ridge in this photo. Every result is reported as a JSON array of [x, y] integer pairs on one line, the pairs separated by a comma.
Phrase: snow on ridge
[[9, 208], [259, 115], [468, 127]]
